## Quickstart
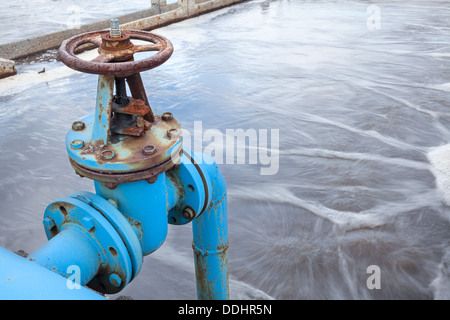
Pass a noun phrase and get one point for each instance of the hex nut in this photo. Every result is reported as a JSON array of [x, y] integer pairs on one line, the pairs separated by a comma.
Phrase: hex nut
[[149, 149], [78, 125], [107, 154], [77, 144], [115, 280], [166, 116], [87, 223], [173, 133], [188, 213]]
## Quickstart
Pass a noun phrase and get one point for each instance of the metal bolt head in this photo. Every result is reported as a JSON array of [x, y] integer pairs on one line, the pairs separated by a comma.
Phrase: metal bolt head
[[149, 149], [107, 154], [77, 144], [87, 223], [115, 280], [173, 133], [188, 213], [78, 126], [166, 116]]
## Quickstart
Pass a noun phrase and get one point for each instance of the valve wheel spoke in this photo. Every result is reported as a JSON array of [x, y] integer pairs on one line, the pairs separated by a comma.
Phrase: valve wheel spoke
[[97, 40], [147, 47], [104, 58]]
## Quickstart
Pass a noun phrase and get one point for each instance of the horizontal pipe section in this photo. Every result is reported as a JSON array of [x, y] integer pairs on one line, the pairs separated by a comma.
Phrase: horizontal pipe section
[[21, 279], [71, 249]]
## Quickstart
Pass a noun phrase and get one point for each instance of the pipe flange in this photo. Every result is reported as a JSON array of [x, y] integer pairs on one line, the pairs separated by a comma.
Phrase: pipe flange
[[125, 158], [116, 271], [120, 224]]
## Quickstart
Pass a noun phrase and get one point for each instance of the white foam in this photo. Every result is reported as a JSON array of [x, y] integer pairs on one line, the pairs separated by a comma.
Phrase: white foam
[[347, 220], [442, 87], [439, 158], [441, 284]]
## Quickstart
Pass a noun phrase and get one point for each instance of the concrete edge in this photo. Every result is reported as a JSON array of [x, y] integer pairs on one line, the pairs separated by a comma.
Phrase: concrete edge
[[159, 15]]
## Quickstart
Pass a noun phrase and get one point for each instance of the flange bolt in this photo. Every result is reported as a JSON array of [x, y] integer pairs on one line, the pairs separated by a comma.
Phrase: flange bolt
[[78, 126], [77, 144], [115, 280], [188, 213], [107, 154], [149, 149], [166, 116]]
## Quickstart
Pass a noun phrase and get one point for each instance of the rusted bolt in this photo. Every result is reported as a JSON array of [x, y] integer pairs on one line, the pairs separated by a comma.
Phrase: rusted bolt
[[115, 280], [114, 29], [77, 144], [149, 149], [87, 223], [173, 133], [78, 125], [166, 116], [188, 213], [107, 154]]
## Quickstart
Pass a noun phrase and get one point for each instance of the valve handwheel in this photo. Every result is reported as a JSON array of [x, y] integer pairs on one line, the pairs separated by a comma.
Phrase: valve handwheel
[[116, 53]]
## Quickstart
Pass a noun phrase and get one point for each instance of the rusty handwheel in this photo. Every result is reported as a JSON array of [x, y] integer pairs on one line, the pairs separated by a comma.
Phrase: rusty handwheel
[[116, 53]]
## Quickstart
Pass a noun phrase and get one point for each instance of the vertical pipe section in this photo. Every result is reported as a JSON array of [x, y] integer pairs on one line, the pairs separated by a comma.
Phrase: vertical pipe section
[[71, 249], [210, 238], [146, 204], [103, 107]]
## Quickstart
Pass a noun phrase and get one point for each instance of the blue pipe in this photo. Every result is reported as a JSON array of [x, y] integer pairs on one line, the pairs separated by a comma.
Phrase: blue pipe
[[145, 203], [210, 236], [73, 246], [82, 225], [21, 279]]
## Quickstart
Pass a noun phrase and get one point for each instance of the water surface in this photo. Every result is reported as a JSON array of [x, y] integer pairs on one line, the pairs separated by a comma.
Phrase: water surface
[[358, 110]]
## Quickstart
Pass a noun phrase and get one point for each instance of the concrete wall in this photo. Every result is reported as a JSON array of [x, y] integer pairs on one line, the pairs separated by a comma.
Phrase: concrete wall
[[158, 15]]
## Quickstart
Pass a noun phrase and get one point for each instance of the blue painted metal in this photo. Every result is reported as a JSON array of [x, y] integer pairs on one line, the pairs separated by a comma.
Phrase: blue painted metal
[[105, 94], [210, 233], [143, 180], [21, 279], [129, 230], [191, 190], [80, 235], [146, 204]]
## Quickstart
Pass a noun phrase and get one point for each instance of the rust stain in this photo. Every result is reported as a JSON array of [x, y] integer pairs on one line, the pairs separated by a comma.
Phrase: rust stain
[[119, 51]]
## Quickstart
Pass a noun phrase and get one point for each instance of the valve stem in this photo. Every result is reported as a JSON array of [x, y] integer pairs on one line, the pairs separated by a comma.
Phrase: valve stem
[[114, 29]]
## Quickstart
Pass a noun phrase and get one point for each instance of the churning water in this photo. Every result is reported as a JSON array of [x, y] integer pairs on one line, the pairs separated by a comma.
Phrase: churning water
[[360, 95]]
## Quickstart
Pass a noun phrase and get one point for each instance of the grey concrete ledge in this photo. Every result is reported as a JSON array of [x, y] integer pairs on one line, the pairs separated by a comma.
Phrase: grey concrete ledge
[[7, 68], [160, 14]]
